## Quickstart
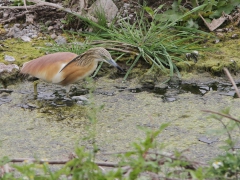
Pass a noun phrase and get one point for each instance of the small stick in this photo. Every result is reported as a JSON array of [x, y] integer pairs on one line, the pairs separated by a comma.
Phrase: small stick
[[232, 81], [41, 161], [224, 115]]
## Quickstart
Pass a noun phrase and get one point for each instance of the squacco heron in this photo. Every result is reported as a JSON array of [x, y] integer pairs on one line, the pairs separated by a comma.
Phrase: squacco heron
[[65, 68]]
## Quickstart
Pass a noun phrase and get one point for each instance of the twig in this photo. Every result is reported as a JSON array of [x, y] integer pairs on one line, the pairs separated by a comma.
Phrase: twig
[[14, 18], [224, 115], [232, 81], [43, 3], [41, 161], [18, 7]]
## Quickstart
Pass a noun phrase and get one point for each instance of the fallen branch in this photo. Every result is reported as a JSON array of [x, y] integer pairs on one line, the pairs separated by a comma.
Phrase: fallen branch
[[224, 115], [15, 17], [57, 6], [19, 7], [232, 81], [58, 162]]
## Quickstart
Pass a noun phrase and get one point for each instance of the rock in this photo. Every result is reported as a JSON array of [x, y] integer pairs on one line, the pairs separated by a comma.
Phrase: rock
[[48, 23], [126, 5], [80, 98], [53, 36], [61, 40], [48, 44], [9, 58], [50, 28], [13, 31], [78, 43], [26, 38], [34, 36], [234, 36], [6, 14], [6, 26], [107, 6], [30, 18], [8, 68], [25, 33], [8, 73]]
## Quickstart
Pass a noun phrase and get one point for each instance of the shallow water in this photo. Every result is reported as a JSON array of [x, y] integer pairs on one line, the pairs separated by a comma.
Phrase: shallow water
[[52, 125]]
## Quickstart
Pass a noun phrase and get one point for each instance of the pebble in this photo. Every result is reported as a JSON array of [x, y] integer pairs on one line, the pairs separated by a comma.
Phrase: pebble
[[34, 36], [8, 68], [26, 38], [80, 98], [234, 36], [6, 26], [9, 58], [25, 32], [50, 28], [48, 44], [61, 40], [48, 23], [53, 36]]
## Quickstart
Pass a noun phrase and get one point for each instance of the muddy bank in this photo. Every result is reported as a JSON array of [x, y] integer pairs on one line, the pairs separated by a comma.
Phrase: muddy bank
[[39, 128]]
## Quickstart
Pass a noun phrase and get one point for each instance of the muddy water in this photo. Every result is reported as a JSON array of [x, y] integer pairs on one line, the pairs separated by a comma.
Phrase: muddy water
[[51, 128]]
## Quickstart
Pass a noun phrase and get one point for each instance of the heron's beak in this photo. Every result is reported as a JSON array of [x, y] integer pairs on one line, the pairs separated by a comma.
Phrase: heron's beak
[[113, 63]]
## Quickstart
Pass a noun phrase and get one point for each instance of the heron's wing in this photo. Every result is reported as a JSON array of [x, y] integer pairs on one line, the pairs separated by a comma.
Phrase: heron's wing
[[46, 67]]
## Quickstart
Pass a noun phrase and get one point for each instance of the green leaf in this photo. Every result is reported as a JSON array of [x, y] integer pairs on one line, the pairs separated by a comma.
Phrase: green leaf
[[149, 11], [4, 160]]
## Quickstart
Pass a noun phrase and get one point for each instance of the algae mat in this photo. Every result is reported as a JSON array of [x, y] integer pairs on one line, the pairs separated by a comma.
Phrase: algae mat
[[28, 128]]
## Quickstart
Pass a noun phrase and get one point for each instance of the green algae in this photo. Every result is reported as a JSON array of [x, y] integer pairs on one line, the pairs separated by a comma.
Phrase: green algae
[[226, 53], [53, 132], [22, 51]]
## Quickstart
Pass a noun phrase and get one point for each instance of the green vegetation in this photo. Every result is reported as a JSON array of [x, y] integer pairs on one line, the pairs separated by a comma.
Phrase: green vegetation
[[20, 2], [213, 9], [160, 44], [22, 51]]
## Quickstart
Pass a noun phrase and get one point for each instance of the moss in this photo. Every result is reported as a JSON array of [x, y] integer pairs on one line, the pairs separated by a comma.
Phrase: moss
[[22, 51], [68, 114], [226, 53]]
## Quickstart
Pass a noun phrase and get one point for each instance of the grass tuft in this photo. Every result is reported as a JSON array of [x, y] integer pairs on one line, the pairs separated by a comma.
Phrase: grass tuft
[[160, 44]]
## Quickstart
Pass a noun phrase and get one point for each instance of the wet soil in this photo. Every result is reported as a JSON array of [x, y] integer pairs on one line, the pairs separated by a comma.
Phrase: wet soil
[[52, 125]]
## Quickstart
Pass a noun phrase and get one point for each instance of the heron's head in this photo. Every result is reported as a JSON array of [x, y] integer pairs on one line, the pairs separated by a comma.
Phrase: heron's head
[[103, 55]]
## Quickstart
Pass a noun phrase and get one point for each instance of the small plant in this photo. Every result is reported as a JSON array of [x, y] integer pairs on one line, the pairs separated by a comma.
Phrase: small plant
[[20, 2], [213, 9], [226, 166]]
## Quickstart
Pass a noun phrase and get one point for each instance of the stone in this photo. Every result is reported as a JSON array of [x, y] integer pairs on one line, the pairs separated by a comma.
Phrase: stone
[[80, 98], [9, 58], [6, 26], [48, 23], [53, 36], [34, 36], [26, 38], [107, 6], [8, 74], [50, 28], [13, 32], [48, 44], [61, 40], [8, 68]]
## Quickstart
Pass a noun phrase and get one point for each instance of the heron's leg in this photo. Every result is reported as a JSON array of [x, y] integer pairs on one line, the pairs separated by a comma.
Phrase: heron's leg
[[35, 83], [68, 88]]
